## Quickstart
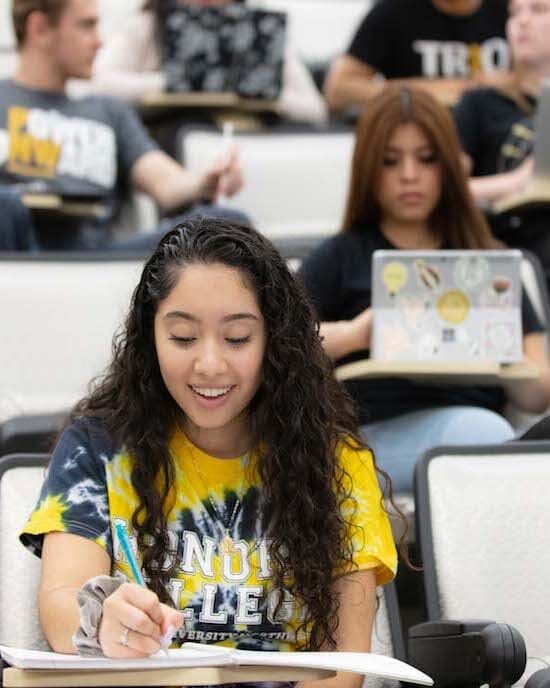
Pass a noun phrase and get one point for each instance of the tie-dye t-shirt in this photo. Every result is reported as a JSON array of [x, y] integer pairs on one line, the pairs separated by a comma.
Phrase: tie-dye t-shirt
[[225, 593]]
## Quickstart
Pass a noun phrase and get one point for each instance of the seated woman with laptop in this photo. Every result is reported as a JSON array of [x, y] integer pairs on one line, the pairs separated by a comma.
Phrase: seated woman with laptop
[[408, 190], [131, 62]]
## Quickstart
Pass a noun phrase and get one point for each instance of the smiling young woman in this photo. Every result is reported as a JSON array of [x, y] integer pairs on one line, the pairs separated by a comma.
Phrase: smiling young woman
[[221, 442]]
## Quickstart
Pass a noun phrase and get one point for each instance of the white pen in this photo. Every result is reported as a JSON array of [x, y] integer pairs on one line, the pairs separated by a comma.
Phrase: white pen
[[166, 639], [228, 132]]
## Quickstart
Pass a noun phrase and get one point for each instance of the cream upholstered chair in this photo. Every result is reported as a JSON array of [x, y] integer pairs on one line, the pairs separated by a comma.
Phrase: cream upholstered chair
[[483, 522], [21, 477], [62, 310], [296, 180], [30, 416]]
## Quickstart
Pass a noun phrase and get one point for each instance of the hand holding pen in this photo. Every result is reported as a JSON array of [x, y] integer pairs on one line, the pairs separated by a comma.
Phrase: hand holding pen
[[224, 178], [134, 622]]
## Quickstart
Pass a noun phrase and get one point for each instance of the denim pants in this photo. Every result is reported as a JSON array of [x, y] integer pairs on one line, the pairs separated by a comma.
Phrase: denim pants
[[98, 237], [399, 442], [148, 242], [16, 227]]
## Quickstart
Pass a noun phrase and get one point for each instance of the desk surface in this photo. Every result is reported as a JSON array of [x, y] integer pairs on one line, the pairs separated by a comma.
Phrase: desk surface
[[536, 193], [197, 676], [209, 100], [439, 372], [52, 203]]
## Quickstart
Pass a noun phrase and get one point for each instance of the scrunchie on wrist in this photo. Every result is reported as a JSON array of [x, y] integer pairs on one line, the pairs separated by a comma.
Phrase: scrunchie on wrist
[[90, 599]]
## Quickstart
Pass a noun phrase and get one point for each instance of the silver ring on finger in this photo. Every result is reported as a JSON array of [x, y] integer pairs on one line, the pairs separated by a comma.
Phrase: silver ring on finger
[[123, 639]]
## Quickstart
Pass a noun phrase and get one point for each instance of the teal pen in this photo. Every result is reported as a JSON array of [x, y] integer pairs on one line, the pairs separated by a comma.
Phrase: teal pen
[[137, 575]]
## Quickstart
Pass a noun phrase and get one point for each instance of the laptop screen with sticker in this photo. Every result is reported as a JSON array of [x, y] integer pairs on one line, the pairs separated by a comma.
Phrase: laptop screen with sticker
[[447, 306]]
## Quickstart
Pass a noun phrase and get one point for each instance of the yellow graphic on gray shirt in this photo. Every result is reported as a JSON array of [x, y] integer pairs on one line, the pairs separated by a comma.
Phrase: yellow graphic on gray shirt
[[46, 144], [27, 154]]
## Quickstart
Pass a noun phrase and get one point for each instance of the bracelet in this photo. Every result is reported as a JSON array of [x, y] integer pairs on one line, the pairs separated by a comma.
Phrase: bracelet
[[90, 600]]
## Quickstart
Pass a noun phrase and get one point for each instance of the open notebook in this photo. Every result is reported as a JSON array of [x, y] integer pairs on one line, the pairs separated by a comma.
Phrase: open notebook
[[192, 655]]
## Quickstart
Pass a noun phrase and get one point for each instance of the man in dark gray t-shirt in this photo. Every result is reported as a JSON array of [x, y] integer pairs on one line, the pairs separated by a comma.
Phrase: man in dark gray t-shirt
[[93, 148]]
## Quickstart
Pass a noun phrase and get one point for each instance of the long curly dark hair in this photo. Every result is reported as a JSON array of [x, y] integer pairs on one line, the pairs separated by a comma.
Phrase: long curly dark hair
[[299, 415]]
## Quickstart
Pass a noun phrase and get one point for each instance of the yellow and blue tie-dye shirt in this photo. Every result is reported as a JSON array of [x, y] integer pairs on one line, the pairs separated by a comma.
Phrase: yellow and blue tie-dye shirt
[[226, 596]]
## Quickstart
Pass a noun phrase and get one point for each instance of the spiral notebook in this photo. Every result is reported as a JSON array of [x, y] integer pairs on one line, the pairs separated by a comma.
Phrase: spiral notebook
[[51, 666]]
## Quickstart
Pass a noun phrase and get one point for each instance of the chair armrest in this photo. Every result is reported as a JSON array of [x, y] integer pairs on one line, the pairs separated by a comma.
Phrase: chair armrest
[[540, 679], [467, 653], [25, 434]]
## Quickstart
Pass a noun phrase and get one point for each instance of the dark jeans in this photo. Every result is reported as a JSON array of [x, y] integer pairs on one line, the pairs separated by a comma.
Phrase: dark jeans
[[147, 243], [16, 227], [59, 236]]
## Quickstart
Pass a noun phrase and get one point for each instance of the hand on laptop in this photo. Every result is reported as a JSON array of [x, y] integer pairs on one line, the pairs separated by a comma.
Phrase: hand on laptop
[[224, 178], [362, 329]]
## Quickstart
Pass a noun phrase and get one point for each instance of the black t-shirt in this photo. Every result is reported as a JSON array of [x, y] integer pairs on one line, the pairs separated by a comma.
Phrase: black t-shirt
[[498, 134], [494, 130], [337, 276], [412, 38]]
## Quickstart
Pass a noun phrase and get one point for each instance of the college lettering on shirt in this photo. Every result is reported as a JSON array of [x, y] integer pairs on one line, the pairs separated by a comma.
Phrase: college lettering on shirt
[[47, 144], [455, 59], [226, 598]]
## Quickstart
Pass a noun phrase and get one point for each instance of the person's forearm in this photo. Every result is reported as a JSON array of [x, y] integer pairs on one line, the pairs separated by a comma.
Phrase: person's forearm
[[356, 90], [494, 186], [180, 190], [338, 338], [352, 91], [341, 680], [59, 617], [446, 91], [531, 396], [170, 184], [302, 107], [130, 86]]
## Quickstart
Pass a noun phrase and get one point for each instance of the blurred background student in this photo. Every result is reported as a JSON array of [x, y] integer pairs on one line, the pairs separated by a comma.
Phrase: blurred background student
[[92, 147], [444, 46], [495, 126], [408, 190], [129, 65]]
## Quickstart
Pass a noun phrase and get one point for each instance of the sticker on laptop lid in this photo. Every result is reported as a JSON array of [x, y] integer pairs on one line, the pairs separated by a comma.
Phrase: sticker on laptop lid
[[453, 306], [428, 275], [395, 276], [471, 272], [500, 339]]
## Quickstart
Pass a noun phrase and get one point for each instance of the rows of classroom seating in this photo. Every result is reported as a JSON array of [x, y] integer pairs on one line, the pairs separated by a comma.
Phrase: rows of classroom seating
[[313, 183], [63, 310]]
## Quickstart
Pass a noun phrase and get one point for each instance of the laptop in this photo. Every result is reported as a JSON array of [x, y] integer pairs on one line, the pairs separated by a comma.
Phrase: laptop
[[447, 306], [230, 49]]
